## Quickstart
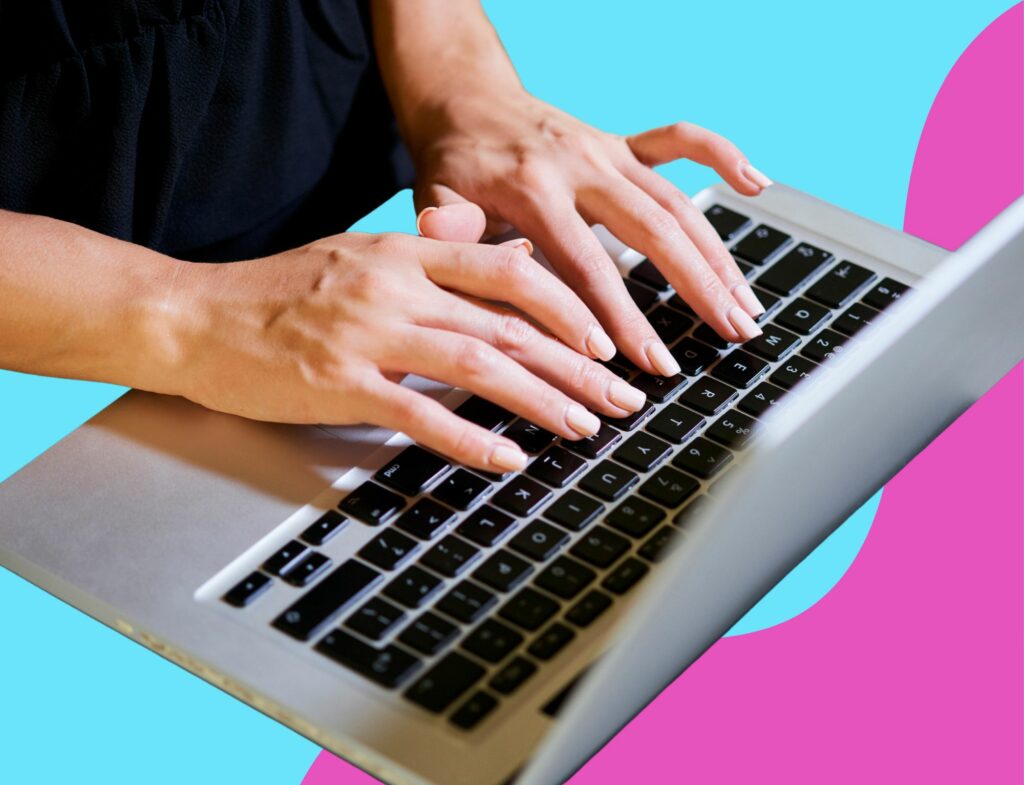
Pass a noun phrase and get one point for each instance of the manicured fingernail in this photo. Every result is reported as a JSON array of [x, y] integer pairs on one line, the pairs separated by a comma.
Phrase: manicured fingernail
[[755, 176], [747, 299], [743, 324], [582, 421], [662, 359], [525, 244], [419, 218], [599, 344], [626, 396], [508, 459]]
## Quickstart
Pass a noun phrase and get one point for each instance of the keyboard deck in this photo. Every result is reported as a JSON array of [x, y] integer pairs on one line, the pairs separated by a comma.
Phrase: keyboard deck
[[470, 583]]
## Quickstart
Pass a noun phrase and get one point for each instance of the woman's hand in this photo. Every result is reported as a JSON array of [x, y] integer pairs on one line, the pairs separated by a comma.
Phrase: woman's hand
[[323, 333]]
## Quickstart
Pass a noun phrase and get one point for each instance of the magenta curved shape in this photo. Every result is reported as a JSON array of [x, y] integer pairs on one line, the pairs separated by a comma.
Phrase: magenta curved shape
[[909, 670]]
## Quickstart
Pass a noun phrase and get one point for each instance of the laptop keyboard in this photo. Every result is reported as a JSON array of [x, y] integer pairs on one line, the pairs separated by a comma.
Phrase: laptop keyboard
[[472, 582]]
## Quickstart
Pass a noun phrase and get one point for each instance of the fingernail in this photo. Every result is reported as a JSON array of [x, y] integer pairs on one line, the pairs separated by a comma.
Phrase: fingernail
[[747, 299], [743, 324], [662, 359], [582, 421], [626, 396], [755, 176], [508, 458], [419, 218], [599, 344], [525, 244]]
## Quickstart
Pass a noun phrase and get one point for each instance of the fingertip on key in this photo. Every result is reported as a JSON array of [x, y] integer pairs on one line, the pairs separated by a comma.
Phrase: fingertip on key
[[508, 459], [745, 326], [600, 344], [662, 360]]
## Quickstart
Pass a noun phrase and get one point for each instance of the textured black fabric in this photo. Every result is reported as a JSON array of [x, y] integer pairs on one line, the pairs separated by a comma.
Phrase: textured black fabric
[[206, 129]]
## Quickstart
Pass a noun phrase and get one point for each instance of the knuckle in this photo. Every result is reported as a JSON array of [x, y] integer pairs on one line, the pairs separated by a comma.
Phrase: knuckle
[[389, 243], [531, 173], [513, 334], [584, 375], [657, 221], [515, 266], [475, 360], [367, 284]]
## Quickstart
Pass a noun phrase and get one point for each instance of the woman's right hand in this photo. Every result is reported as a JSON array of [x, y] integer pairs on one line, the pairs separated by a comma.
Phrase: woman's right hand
[[324, 333]]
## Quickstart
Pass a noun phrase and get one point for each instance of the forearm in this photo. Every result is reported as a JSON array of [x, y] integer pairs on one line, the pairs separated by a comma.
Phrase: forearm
[[78, 304]]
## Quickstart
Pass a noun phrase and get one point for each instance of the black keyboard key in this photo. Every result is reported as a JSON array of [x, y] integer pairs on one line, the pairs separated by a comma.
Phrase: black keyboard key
[[668, 323], [758, 401], [706, 334], [825, 345], [802, 316], [761, 244], [630, 421], [388, 667], [608, 480], [372, 504], [702, 458], [733, 429], [708, 396], [425, 519], [375, 618], [482, 412], [551, 641], [492, 641], [503, 570], [529, 609], [326, 526], [641, 295], [521, 496], [693, 356], [727, 223], [635, 517], [486, 526], [462, 489], [450, 556], [556, 467], [511, 677], [413, 588], [584, 612], [840, 284], [429, 634], [531, 438], [885, 294], [854, 319], [656, 547], [792, 372], [597, 445], [574, 510], [658, 388], [771, 303], [412, 470], [642, 451], [748, 270], [600, 546], [669, 487], [466, 602], [648, 274], [773, 343], [474, 710], [388, 549], [794, 269], [284, 557], [680, 304], [539, 541], [625, 576], [323, 602], [441, 686], [247, 590], [675, 423], [307, 570], [565, 577], [740, 369]]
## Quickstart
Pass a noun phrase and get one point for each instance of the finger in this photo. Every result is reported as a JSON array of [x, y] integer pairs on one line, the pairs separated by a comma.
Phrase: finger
[[467, 362], [426, 421], [574, 250], [576, 375], [686, 140], [638, 220], [445, 215], [697, 227], [507, 274]]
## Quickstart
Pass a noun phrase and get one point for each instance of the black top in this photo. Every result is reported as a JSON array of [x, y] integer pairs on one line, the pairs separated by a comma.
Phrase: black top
[[206, 129]]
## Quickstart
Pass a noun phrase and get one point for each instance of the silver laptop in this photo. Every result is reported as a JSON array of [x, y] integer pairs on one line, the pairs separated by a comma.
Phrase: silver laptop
[[438, 626]]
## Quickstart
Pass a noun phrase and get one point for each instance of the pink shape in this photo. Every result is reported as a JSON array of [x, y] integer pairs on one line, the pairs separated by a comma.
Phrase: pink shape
[[909, 670]]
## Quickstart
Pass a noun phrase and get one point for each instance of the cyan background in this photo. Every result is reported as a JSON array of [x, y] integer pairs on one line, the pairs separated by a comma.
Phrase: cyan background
[[828, 97]]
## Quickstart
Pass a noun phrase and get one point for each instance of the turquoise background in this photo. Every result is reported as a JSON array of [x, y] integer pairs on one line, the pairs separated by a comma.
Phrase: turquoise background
[[829, 98]]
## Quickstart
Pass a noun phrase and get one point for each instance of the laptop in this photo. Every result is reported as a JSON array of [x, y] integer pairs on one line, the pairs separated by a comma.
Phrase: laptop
[[438, 626]]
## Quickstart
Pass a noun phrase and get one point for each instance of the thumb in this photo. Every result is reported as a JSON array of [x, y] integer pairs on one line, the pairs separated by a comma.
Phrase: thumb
[[445, 215]]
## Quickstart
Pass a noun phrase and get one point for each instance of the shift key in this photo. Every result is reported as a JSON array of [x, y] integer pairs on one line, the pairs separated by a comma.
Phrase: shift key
[[324, 601]]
